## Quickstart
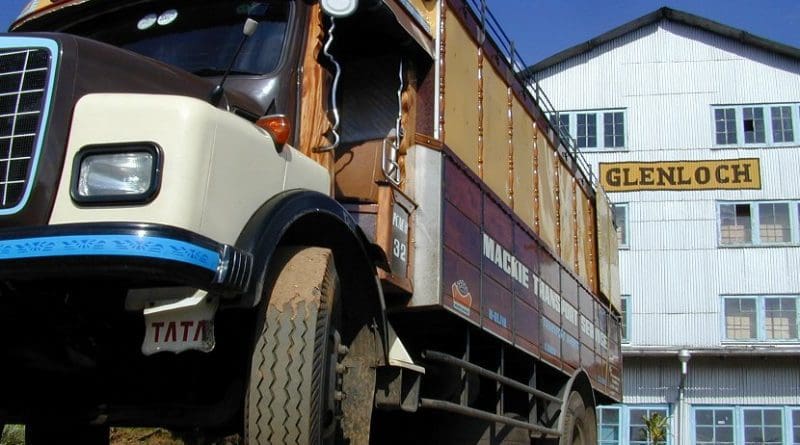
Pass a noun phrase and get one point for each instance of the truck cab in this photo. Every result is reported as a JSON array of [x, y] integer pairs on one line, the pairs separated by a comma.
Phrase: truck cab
[[284, 220]]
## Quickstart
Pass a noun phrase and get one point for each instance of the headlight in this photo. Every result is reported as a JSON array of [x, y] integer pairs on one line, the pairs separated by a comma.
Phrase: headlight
[[116, 174]]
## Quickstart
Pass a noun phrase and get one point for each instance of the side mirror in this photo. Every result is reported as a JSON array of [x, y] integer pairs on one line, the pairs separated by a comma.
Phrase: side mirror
[[339, 8]]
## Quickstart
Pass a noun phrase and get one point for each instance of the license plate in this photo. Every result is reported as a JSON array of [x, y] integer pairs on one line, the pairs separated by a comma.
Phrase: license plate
[[183, 325]]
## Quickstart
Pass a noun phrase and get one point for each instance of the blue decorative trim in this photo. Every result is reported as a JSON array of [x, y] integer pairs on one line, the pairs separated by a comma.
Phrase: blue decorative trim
[[116, 245], [9, 42]]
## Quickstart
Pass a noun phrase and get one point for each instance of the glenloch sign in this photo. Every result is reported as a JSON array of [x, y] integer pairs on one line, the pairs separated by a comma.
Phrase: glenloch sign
[[722, 174]]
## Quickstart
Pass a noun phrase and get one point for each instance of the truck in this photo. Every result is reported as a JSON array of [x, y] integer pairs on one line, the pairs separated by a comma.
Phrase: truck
[[295, 221]]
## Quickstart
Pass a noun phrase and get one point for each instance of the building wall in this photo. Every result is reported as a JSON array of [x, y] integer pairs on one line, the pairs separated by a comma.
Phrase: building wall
[[667, 77]]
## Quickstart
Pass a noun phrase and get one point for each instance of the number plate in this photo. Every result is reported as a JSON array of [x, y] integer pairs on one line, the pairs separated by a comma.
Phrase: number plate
[[182, 325]]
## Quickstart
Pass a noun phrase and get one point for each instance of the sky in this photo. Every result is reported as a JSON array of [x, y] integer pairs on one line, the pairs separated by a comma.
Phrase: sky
[[541, 28]]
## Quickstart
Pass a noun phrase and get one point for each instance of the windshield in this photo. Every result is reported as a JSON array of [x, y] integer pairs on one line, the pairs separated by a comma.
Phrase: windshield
[[200, 36]]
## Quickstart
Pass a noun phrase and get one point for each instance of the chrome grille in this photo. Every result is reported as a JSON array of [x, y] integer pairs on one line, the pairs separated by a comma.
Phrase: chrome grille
[[23, 84]]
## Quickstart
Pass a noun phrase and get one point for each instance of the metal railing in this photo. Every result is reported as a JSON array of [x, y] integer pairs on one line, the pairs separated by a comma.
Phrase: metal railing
[[491, 29]]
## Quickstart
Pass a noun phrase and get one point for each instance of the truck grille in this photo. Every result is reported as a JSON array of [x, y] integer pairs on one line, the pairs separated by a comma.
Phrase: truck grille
[[24, 79]]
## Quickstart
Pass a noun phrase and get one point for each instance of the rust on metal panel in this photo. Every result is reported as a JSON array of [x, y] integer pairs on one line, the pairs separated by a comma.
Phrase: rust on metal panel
[[442, 54], [522, 145], [495, 133], [557, 201], [480, 111], [461, 120], [565, 201], [510, 146], [428, 141], [547, 205], [314, 124], [574, 218], [463, 14], [536, 203]]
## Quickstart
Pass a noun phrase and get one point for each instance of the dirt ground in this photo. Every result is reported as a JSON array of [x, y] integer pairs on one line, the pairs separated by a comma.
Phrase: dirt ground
[[15, 435]]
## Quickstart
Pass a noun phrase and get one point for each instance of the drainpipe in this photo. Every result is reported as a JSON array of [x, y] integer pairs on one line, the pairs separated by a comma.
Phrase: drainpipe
[[683, 356]]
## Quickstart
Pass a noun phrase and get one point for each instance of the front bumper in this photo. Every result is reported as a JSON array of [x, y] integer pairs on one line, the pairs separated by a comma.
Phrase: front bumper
[[137, 255]]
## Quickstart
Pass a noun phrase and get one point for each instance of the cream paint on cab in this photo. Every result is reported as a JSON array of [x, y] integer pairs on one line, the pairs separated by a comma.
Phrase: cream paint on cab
[[218, 169]]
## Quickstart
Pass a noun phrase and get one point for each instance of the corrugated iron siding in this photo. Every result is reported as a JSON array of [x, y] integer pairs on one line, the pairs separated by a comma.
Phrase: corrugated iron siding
[[713, 381], [668, 76]]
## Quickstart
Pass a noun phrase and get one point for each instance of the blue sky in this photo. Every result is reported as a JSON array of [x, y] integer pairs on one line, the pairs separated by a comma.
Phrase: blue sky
[[541, 28]]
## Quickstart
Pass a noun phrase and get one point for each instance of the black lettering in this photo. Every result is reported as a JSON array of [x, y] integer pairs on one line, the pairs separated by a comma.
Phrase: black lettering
[[718, 173], [702, 175], [741, 171], [626, 174], [662, 175], [682, 180], [646, 176], [613, 177]]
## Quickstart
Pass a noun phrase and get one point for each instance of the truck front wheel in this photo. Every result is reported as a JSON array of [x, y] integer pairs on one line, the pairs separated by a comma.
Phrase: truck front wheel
[[580, 424], [297, 374]]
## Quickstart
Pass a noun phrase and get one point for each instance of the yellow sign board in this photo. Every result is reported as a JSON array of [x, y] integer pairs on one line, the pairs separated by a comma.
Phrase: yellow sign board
[[723, 174]]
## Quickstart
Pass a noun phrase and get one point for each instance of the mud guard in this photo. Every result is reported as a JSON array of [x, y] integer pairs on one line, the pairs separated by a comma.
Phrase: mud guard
[[312, 218], [579, 382]]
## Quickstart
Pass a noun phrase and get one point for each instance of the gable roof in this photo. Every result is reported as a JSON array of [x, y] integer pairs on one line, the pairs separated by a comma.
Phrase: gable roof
[[656, 16]]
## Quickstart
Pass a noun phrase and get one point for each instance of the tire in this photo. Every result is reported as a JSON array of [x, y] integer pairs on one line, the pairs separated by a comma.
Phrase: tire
[[295, 389], [580, 424], [54, 433]]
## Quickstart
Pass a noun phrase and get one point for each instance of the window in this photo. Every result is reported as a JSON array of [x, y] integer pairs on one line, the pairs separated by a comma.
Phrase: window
[[746, 425], [782, 124], [624, 424], [608, 421], [561, 123], [755, 124], [603, 129], [757, 223], [740, 318], [763, 427], [624, 322], [620, 213], [587, 130], [780, 318], [760, 318], [713, 426], [614, 129], [637, 428], [725, 120]]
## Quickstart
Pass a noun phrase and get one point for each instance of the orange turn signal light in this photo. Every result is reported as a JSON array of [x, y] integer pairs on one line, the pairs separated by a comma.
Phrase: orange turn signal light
[[278, 127]]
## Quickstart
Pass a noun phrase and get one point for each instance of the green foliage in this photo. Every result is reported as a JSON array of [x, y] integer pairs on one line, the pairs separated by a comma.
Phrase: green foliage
[[655, 427], [13, 435]]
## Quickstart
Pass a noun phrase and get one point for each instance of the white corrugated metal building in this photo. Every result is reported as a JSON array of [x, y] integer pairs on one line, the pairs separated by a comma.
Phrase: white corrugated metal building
[[694, 129]]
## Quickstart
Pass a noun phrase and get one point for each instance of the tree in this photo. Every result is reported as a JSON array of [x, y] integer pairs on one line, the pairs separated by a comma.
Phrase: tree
[[655, 427]]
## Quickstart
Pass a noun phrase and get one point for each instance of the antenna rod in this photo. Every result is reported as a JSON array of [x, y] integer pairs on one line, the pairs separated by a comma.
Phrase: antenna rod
[[249, 29]]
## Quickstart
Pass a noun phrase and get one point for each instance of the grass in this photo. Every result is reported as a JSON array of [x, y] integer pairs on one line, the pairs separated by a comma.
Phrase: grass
[[15, 435]]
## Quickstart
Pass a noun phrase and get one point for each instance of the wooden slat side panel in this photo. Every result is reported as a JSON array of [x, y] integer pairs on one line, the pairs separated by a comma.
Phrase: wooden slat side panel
[[523, 140], [607, 255], [314, 124], [566, 221], [461, 93], [495, 133], [583, 237], [547, 193]]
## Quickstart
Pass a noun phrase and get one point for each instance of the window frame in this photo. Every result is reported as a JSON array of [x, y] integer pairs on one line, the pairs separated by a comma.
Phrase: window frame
[[790, 431], [714, 409], [768, 128], [760, 320], [793, 209], [624, 420], [625, 319], [599, 128], [623, 240]]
